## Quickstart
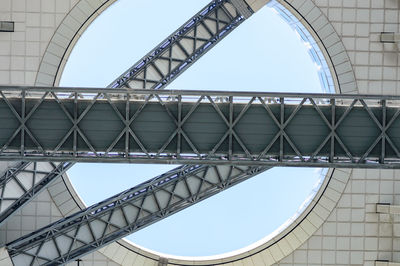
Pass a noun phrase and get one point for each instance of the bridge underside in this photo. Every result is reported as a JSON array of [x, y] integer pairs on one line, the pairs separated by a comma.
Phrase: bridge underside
[[192, 127]]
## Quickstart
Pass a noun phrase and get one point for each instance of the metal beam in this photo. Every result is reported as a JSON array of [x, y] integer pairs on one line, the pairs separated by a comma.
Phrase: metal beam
[[12, 187], [21, 182], [24, 185], [159, 126], [125, 213], [186, 45]]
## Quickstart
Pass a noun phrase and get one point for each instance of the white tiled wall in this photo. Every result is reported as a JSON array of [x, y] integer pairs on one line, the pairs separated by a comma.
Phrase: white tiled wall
[[359, 24], [354, 234], [21, 51]]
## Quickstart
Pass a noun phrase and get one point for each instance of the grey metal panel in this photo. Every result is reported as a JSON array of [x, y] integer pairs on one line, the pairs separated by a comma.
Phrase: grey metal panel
[[127, 212], [195, 126], [6, 26]]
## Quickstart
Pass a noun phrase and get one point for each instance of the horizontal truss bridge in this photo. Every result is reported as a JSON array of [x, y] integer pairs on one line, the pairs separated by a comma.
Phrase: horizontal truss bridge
[[153, 126]]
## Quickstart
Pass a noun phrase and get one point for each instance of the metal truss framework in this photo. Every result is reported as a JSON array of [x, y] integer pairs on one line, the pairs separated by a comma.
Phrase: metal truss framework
[[152, 126], [186, 45], [155, 70], [23, 181], [125, 213]]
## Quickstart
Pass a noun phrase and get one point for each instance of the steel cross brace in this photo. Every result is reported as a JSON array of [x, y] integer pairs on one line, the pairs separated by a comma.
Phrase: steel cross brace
[[39, 179], [185, 46], [165, 62], [125, 213], [23, 182]]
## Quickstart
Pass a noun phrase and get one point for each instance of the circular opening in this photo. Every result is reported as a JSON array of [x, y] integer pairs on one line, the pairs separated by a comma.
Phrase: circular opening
[[271, 51]]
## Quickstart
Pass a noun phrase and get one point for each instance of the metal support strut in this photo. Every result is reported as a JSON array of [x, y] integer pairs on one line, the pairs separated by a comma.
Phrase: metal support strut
[[125, 213], [185, 46], [23, 182]]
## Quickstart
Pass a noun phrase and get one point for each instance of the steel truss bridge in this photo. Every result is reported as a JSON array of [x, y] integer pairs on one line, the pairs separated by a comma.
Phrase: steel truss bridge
[[226, 137], [192, 127]]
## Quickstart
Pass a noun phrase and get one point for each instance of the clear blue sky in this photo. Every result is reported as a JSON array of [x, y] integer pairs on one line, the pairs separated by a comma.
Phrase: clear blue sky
[[263, 54]]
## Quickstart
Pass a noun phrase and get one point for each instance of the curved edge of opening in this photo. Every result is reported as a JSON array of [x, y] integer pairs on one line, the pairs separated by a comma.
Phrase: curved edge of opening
[[286, 240], [317, 25], [311, 41]]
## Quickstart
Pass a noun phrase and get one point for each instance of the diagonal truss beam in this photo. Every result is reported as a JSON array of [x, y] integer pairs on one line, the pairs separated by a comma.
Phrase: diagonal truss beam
[[185, 46], [155, 70], [160, 126], [24, 181], [125, 213], [24, 185]]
